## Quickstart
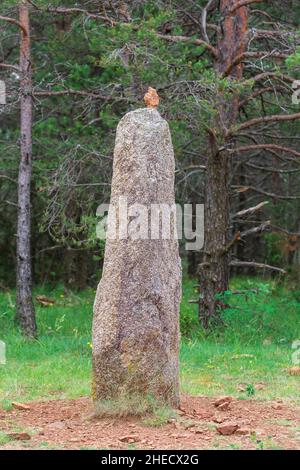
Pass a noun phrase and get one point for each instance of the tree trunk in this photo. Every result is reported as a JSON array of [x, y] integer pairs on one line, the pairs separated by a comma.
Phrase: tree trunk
[[240, 227], [214, 270], [25, 314]]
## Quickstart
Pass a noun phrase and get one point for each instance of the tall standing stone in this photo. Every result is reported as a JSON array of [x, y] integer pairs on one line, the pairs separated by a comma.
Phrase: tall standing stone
[[136, 310]]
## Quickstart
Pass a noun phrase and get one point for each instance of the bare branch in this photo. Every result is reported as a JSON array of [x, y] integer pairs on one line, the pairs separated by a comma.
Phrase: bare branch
[[251, 210], [8, 178], [209, 6], [68, 11], [260, 228], [9, 66], [253, 264], [275, 228], [267, 33], [254, 55], [263, 13], [260, 92], [197, 42], [264, 120], [67, 92], [191, 167], [248, 148], [275, 75], [10, 203], [236, 237], [271, 169], [15, 22], [87, 94], [261, 191], [243, 3]]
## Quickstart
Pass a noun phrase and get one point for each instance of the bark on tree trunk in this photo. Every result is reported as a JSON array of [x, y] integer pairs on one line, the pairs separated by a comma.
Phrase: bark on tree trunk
[[214, 270], [25, 313], [242, 204]]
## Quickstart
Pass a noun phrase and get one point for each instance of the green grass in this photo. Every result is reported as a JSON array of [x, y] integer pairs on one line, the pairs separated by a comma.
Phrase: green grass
[[58, 364], [160, 416], [253, 346], [4, 439]]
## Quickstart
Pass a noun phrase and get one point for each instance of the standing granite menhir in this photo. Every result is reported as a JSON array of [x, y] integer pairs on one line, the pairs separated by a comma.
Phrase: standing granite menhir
[[136, 310]]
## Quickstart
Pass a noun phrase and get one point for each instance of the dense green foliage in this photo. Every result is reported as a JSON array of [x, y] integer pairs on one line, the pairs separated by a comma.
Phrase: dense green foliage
[[108, 65]]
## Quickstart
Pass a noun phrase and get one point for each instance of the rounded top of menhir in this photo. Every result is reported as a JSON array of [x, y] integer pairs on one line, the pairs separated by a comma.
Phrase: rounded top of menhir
[[151, 98]]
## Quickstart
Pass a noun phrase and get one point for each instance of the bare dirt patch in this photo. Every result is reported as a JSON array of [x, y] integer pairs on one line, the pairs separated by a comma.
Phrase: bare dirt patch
[[64, 424]]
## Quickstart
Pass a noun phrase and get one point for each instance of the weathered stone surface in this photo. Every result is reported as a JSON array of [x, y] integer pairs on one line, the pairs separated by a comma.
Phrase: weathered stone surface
[[135, 329]]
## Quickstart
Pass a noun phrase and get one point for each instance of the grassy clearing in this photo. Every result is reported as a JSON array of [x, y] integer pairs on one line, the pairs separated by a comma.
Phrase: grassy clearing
[[249, 356], [58, 364]]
